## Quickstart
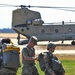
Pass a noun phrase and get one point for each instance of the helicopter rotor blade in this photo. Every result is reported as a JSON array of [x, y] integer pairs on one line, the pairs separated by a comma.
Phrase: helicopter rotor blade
[[52, 7], [8, 5], [35, 6], [67, 10], [58, 8]]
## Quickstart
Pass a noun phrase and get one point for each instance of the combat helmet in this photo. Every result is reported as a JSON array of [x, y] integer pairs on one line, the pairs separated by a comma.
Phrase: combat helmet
[[51, 45], [34, 39]]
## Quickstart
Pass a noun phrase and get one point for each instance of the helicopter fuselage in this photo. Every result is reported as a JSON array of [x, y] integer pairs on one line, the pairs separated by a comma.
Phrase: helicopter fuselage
[[48, 32], [29, 23]]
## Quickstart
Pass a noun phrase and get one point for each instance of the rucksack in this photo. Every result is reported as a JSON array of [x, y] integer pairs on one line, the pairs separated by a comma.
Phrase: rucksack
[[41, 62], [11, 56], [54, 63]]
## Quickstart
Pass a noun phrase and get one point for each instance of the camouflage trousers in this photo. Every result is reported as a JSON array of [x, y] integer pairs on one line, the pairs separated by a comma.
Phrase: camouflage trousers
[[29, 70], [4, 71], [56, 73]]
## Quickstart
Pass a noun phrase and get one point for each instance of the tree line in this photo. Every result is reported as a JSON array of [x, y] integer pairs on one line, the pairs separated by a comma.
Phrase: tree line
[[7, 30]]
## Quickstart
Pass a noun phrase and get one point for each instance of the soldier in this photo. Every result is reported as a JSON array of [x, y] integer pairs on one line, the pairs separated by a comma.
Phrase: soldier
[[6, 70], [28, 58], [51, 66]]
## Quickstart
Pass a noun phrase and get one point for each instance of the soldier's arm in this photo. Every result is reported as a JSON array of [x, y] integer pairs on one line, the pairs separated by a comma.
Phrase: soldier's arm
[[30, 58], [26, 55]]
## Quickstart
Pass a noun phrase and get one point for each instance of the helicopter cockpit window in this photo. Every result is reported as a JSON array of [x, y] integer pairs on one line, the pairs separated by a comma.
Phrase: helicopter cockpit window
[[29, 22], [37, 22], [56, 30]]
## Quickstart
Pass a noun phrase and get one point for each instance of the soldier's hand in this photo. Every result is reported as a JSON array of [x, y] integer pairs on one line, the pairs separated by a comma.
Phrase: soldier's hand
[[36, 58], [53, 73]]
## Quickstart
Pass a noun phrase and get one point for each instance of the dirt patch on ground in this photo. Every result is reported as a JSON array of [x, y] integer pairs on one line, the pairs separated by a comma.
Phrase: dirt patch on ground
[[10, 35], [44, 47], [60, 56], [66, 57], [69, 47]]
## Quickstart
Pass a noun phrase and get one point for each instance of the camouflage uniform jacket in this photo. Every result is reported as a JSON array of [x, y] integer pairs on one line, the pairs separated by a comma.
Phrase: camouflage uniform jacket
[[28, 65]]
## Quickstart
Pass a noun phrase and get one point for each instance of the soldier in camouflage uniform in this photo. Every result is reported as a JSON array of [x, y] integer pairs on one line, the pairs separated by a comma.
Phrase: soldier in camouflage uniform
[[28, 58], [46, 62]]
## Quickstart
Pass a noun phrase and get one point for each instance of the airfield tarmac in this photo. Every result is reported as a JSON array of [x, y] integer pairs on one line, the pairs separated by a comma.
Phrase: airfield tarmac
[[41, 47]]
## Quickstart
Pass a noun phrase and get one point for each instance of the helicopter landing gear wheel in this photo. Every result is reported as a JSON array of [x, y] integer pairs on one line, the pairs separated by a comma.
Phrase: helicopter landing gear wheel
[[73, 43]]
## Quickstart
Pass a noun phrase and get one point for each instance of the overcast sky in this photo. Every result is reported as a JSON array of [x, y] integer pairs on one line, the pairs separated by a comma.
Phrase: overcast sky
[[48, 15]]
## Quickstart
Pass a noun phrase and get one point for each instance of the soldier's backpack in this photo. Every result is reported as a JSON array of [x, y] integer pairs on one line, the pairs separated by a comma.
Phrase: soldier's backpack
[[55, 64], [41, 62], [11, 56]]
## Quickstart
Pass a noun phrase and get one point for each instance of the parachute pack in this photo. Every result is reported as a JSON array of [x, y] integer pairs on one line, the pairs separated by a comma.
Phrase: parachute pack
[[11, 56], [55, 64]]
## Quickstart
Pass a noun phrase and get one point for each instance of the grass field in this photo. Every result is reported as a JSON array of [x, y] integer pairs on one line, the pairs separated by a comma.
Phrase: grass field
[[68, 61]]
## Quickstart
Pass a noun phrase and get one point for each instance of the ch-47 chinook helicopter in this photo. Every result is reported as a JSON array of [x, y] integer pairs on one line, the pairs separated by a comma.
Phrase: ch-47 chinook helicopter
[[29, 23]]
